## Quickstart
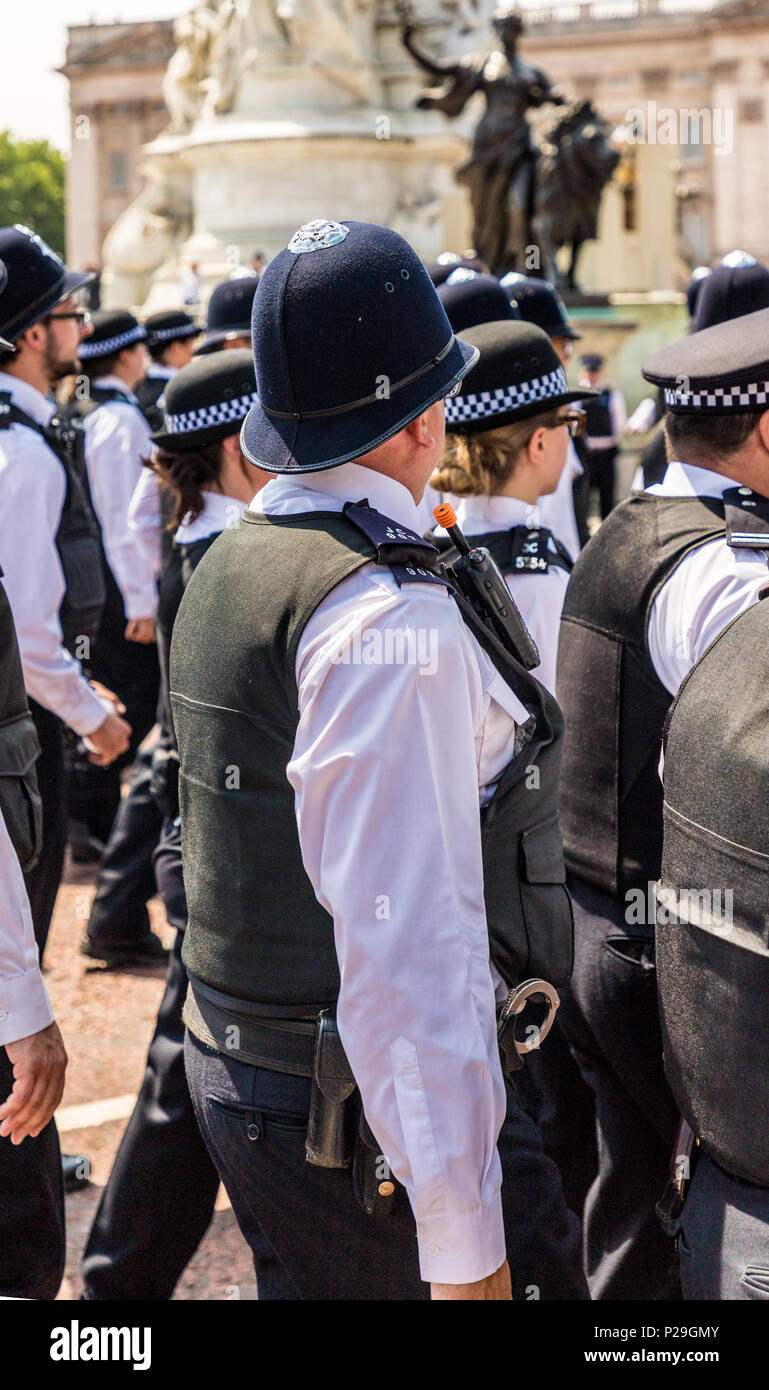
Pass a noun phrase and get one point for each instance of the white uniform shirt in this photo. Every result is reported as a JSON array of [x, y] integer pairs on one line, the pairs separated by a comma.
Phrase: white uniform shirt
[[556, 511], [219, 513], [32, 491], [145, 519], [117, 439], [706, 590], [389, 765], [24, 1004], [538, 596]]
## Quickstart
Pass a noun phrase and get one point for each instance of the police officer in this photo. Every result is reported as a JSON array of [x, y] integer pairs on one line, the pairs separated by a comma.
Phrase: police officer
[[666, 572], [566, 511], [171, 336], [606, 419], [332, 855], [712, 961], [31, 1204], [506, 447], [125, 879], [739, 286], [160, 1195], [228, 320], [117, 441], [48, 539]]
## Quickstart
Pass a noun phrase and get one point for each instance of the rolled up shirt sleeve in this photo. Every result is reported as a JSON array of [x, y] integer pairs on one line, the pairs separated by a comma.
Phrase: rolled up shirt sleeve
[[385, 771], [117, 439], [33, 490], [24, 1004]]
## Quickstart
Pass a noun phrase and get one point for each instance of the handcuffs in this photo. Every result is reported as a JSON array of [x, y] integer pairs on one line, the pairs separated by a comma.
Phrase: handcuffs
[[511, 1050]]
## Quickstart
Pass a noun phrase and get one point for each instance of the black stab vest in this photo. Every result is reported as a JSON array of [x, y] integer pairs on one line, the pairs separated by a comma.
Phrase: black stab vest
[[713, 950], [182, 562], [613, 701], [257, 935], [597, 409], [78, 538], [19, 748], [148, 393]]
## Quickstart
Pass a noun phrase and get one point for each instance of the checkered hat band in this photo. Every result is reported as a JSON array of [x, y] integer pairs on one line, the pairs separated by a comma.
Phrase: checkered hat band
[[755, 393], [477, 404], [209, 415], [182, 330], [107, 346]]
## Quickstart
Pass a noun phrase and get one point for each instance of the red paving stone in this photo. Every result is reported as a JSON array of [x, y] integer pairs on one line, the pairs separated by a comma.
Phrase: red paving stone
[[107, 1018]]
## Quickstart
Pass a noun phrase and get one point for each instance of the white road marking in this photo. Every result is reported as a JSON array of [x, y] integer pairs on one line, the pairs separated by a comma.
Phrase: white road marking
[[94, 1112]]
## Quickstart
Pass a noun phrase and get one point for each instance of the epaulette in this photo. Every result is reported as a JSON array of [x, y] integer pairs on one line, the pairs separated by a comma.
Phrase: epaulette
[[408, 555], [747, 519]]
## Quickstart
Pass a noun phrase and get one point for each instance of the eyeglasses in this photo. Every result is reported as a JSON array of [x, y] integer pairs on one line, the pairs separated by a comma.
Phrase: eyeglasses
[[82, 315], [574, 420]]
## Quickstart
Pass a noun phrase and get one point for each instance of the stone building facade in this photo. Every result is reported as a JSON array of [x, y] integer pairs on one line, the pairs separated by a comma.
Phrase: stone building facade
[[115, 73], [692, 75]]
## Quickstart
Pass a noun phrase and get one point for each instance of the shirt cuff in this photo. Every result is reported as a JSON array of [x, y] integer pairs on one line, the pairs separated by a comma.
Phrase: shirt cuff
[[462, 1248], [88, 714], [24, 1007], [140, 605]]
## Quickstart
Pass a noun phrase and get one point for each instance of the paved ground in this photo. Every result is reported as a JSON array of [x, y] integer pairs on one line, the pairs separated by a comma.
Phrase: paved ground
[[107, 1018]]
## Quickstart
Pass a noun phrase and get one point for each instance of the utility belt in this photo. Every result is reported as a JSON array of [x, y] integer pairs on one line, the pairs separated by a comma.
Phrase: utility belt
[[338, 1134]]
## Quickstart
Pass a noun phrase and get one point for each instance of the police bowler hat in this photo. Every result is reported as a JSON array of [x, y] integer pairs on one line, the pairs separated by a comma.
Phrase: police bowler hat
[[518, 375], [229, 312], [4, 344], [38, 280], [113, 330], [351, 343], [206, 401], [168, 326], [731, 291], [471, 298], [539, 302]]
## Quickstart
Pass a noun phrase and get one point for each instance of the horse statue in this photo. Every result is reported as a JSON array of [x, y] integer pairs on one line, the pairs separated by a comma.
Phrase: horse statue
[[574, 165]]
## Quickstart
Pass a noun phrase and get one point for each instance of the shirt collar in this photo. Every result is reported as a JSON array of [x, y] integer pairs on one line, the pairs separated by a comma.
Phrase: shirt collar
[[349, 482], [218, 512], [688, 480], [161, 372], [495, 513], [115, 383], [28, 398]]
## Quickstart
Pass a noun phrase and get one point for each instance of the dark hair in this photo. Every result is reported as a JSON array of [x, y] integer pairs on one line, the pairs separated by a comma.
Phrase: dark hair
[[101, 366], [156, 350], [186, 476], [6, 357], [709, 437]]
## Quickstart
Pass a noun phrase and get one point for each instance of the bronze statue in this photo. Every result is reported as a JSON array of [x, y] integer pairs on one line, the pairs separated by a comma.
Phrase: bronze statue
[[516, 190]]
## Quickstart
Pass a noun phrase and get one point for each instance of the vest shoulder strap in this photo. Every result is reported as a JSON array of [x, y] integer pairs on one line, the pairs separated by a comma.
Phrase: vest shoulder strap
[[747, 519]]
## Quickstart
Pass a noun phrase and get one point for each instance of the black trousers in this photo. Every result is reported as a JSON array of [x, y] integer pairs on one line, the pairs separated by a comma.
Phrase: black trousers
[[32, 1243], [724, 1237], [160, 1195], [254, 1122], [159, 1198], [43, 880], [611, 1019], [602, 471], [131, 670], [554, 1092], [126, 881]]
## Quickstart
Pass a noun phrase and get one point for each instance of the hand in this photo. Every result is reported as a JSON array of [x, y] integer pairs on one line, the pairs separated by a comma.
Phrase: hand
[[494, 1287], [39, 1064], [110, 740], [105, 694], [140, 630]]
